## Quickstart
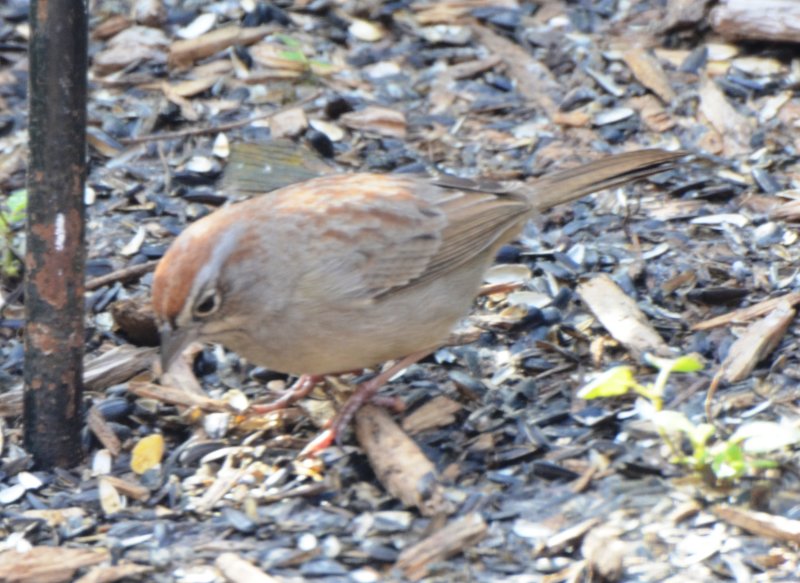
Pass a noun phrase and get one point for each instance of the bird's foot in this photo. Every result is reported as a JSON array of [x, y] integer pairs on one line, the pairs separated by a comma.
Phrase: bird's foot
[[300, 389], [365, 393]]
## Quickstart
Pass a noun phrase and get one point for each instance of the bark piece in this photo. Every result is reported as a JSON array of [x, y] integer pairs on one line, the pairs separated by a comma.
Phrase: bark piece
[[652, 113], [137, 321], [235, 569], [756, 343], [569, 536], [605, 551], [47, 564], [759, 523], [461, 533], [746, 314], [732, 127], [111, 573], [648, 72], [681, 13], [437, 412], [175, 396], [289, 123], [102, 431], [406, 474], [116, 366], [131, 45], [766, 20], [184, 52], [128, 488], [620, 315]]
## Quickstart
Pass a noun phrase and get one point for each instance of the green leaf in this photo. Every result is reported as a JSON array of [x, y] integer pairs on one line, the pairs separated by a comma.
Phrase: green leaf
[[729, 463], [17, 204], [612, 383], [686, 363]]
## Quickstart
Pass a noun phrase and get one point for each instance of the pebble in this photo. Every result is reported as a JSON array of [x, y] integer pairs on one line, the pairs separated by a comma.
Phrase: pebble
[[392, 521]]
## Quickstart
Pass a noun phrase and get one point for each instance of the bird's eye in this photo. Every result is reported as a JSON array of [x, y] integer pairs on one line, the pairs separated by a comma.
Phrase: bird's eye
[[207, 304]]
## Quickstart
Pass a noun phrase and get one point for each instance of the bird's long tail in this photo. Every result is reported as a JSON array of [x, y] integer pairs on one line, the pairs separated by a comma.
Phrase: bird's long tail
[[567, 185]]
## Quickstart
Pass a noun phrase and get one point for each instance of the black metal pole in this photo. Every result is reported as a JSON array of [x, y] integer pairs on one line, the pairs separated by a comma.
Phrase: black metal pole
[[55, 254]]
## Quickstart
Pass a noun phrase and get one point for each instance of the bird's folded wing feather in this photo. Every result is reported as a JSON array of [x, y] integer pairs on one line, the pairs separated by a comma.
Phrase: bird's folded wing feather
[[418, 238]]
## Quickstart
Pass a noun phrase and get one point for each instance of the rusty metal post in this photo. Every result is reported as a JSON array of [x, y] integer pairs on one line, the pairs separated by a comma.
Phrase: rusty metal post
[[55, 254]]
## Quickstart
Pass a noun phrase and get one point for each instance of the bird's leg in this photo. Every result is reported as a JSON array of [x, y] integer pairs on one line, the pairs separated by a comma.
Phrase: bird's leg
[[364, 393], [300, 389]]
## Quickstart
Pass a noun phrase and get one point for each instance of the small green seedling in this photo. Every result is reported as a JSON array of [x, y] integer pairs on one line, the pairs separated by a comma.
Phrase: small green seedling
[[12, 214], [726, 459], [620, 380]]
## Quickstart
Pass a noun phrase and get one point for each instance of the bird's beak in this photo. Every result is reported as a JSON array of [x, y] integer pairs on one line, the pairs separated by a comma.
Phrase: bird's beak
[[173, 341]]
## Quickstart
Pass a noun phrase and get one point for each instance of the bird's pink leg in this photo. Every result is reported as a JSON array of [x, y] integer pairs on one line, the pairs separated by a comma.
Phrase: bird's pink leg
[[300, 389], [364, 393]]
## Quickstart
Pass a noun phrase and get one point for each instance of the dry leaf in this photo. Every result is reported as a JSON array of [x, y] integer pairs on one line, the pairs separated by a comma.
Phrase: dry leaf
[[147, 453]]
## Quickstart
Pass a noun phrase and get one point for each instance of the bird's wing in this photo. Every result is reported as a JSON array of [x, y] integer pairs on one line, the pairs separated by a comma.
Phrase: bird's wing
[[384, 233]]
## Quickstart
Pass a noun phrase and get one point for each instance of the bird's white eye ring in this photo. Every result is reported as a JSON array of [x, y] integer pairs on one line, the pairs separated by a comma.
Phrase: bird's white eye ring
[[207, 304]]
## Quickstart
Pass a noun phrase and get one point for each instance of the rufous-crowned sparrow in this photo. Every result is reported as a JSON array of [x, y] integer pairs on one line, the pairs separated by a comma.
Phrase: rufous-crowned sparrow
[[348, 271]]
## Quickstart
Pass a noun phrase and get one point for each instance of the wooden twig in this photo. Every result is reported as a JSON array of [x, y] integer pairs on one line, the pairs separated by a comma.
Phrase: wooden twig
[[406, 474], [125, 274]]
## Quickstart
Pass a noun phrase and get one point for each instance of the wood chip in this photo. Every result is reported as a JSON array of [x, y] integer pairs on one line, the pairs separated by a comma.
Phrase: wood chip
[[743, 315], [189, 88], [686, 13], [733, 128], [136, 320], [116, 366], [289, 123], [184, 52], [235, 569], [652, 113], [128, 488], [758, 341], [448, 11], [568, 537], [47, 564], [759, 523], [788, 211], [131, 45], [605, 551], [453, 538], [438, 412], [406, 474], [620, 315], [375, 119], [111, 573], [225, 479], [98, 425], [765, 20], [648, 72], [175, 396]]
